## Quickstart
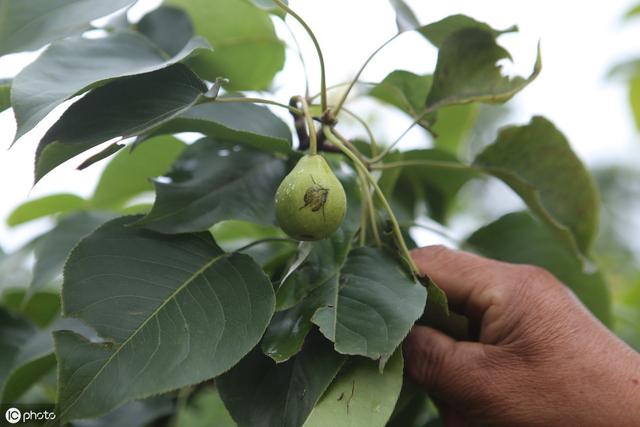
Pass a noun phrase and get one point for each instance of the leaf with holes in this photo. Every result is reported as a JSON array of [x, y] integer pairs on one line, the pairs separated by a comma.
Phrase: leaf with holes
[[361, 395], [467, 71], [437, 32]]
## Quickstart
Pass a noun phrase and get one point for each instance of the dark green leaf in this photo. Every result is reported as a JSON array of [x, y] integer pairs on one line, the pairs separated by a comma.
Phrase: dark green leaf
[[45, 206], [53, 248], [176, 309], [15, 332], [47, 82], [372, 306], [405, 18], [466, 71], [123, 108], [247, 49], [15, 267], [302, 294], [5, 98], [258, 392], [129, 173], [35, 359], [168, 27], [406, 91], [133, 414], [204, 410], [537, 162], [107, 152], [437, 32], [323, 264], [504, 239], [212, 181], [246, 124], [30, 24], [361, 396]]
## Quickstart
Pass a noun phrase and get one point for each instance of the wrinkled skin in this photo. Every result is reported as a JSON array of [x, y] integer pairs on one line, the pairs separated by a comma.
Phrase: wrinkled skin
[[310, 202], [542, 359]]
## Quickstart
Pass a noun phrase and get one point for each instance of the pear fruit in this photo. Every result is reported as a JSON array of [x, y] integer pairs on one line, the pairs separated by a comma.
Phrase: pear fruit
[[310, 201]]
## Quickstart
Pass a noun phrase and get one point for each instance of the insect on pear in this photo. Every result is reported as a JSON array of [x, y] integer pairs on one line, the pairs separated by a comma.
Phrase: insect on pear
[[315, 197]]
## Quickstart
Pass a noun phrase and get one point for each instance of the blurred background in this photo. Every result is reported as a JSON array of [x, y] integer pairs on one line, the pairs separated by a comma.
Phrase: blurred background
[[583, 89]]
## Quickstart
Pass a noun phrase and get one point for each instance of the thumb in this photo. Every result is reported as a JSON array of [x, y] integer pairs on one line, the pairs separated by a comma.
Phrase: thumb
[[439, 364]]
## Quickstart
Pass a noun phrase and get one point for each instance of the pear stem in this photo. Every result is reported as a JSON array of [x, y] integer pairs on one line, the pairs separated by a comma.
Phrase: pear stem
[[311, 127], [394, 222]]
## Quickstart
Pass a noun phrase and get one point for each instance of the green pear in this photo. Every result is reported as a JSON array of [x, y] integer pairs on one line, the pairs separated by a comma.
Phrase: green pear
[[310, 202]]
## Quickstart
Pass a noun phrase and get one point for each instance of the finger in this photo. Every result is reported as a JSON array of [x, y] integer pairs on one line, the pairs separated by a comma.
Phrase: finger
[[440, 364], [470, 281]]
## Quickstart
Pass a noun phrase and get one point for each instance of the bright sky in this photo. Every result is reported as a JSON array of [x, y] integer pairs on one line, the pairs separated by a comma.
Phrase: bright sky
[[580, 42]]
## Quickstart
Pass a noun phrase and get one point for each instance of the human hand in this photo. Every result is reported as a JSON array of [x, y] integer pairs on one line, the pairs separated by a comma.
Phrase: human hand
[[542, 358]]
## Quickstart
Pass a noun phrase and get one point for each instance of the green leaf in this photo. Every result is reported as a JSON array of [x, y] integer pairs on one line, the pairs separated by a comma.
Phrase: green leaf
[[405, 18], [437, 32], [30, 24], [204, 410], [168, 27], [246, 124], [45, 206], [247, 49], [466, 71], [47, 82], [633, 12], [406, 91], [437, 186], [53, 248], [454, 126], [634, 98], [176, 309], [537, 162], [372, 306], [258, 392], [41, 309], [503, 240], [5, 98], [123, 108], [129, 173], [361, 396], [213, 181], [302, 293]]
